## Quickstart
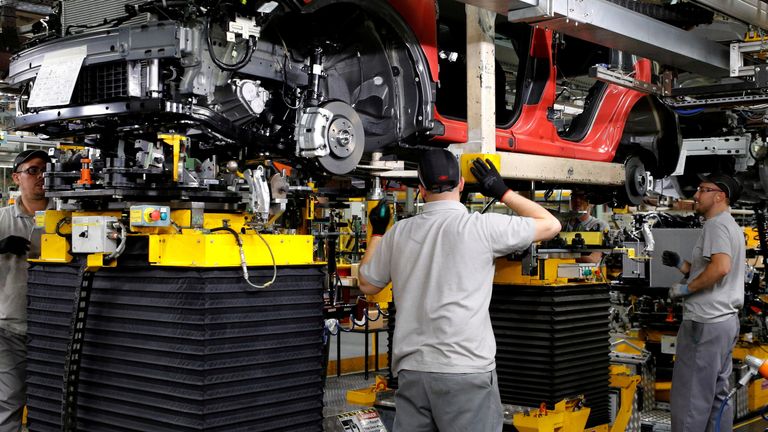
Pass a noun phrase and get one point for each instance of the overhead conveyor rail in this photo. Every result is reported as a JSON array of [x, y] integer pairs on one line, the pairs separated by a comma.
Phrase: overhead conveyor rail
[[609, 24]]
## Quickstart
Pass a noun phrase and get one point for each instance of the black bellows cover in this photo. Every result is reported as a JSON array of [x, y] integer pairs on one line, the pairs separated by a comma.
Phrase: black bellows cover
[[553, 343], [180, 349]]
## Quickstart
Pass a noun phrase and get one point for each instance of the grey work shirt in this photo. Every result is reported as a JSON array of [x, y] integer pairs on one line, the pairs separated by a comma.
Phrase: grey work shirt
[[13, 269], [441, 265], [721, 234], [590, 224]]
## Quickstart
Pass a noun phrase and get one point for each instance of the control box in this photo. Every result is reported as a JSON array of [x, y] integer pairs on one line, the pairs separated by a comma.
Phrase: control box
[[94, 234], [150, 216], [578, 271]]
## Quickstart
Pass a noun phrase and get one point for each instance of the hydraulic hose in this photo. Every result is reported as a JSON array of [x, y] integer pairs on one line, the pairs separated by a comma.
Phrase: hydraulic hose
[[244, 263]]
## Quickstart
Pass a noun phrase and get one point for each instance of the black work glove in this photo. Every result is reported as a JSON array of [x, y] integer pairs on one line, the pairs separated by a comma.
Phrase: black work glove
[[14, 244], [379, 218], [491, 183], [671, 259]]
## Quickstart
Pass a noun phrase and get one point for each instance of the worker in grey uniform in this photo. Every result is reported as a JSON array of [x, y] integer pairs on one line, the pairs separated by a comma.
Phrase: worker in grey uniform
[[583, 219], [713, 295], [17, 222], [441, 265]]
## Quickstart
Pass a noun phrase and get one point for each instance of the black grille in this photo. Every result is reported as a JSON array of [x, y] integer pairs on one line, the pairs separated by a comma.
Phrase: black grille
[[553, 343], [180, 350], [81, 12], [101, 82]]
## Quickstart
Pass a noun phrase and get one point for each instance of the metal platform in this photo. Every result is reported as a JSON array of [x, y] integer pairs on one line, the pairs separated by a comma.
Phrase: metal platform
[[335, 399], [658, 420]]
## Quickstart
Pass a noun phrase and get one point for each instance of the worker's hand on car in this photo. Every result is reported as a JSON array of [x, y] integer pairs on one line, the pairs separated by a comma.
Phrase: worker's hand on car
[[15, 245], [679, 290], [491, 183], [671, 259], [379, 218]]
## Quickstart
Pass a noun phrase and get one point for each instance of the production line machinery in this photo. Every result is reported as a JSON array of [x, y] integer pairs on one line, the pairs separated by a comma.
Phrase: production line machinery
[[178, 296], [644, 317], [185, 225]]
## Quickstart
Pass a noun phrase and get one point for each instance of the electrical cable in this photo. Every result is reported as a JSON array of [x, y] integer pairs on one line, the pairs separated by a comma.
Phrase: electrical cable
[[368, 317], [244, 263], [282, 90], [250, 48], [274, 264], [287, 55], [489, 205], [354, 323], [121, 247], [381, 312], [689, 112], [60, 224]]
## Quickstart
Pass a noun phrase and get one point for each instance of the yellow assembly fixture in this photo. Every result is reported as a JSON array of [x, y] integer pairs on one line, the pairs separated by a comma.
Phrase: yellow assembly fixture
[[176, 243], [570, 416], [196, 249], [551, 271], [590, 238]]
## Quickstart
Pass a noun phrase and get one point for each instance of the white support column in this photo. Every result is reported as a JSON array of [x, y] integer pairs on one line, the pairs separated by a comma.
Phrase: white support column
[[481, 81]]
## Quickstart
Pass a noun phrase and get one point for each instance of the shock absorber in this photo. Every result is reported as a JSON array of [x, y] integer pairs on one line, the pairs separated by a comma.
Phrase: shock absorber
[[315, 73]]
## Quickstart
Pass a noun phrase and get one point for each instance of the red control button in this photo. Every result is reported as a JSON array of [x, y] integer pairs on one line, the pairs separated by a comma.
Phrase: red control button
[[155, 215]]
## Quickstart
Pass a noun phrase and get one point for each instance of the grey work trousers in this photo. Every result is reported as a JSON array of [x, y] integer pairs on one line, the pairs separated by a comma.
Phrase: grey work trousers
[[13, 374], [700, 379], [448, 402]]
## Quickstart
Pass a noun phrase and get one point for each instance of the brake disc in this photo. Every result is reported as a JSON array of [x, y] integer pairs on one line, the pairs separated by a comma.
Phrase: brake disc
[[345, 138]]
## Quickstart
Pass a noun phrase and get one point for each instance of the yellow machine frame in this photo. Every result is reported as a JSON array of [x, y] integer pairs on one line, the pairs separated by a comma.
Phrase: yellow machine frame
[[510, 272], [566, 418], [180, 246]]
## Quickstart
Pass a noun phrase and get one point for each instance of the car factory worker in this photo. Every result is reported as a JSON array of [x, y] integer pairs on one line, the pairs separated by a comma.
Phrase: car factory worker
[[441, 265], [712, 297], [16, 224]]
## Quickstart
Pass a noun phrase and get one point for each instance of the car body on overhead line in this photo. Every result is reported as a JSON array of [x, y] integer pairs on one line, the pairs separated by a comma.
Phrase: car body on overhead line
[[376, 76]]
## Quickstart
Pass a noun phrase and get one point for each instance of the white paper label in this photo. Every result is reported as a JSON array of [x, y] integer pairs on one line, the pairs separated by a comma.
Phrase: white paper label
[[366, 420], [56, 78]]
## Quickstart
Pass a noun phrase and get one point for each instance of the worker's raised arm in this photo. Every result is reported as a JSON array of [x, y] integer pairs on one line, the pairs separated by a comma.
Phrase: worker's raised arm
[[365, 286], [492, 185], [379, 217], [547, 225]]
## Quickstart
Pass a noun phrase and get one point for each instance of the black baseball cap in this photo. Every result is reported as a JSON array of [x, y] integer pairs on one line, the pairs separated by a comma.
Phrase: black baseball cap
[[439, 171], [27, 155], [726, 183]]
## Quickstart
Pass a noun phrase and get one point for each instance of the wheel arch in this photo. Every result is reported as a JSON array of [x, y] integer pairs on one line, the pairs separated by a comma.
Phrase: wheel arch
[[651, 132], [424, 117]]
